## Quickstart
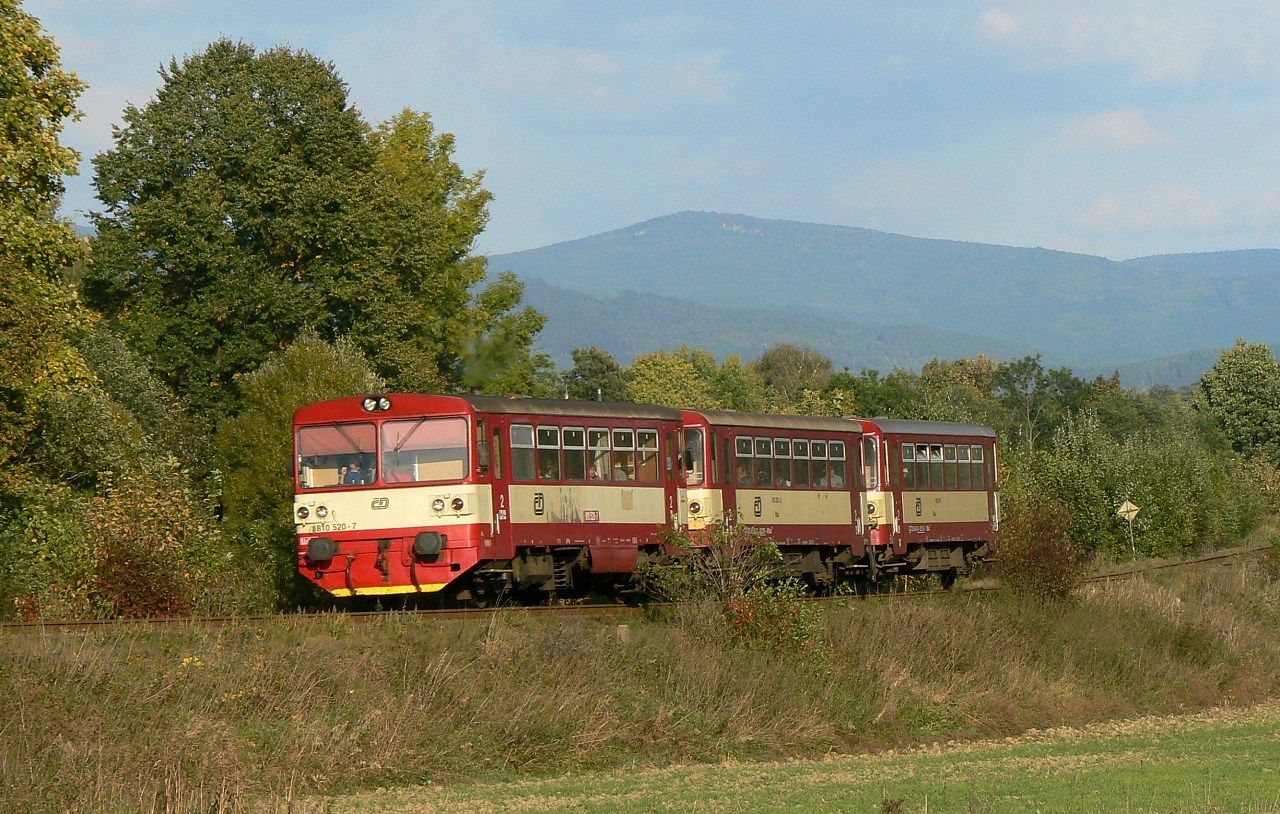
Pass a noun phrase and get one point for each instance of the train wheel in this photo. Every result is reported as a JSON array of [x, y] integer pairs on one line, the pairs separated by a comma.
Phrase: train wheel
[[948, 578]]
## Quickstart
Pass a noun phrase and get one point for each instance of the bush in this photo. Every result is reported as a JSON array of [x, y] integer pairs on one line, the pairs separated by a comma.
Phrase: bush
[[733, 585], [1037, 553], [255, 449]]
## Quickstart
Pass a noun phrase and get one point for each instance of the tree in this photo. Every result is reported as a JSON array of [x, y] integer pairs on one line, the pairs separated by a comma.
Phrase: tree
[[249, 199], [40, 316], [1035, 399], [1242, 394], [788, 370], [255, 447], [595, 374], [669, 379]]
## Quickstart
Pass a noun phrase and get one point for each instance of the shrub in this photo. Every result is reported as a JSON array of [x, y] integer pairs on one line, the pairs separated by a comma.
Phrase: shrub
[[733, 584], [1037, 553]]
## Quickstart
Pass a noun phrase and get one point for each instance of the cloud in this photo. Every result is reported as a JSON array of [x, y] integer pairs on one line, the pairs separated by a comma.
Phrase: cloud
[[1111, 130], [623, 78], [1162, 206], [703, 76], [1170, 41]]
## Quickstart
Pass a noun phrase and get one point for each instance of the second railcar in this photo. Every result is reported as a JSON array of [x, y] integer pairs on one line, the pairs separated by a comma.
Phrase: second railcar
[[795, 478]]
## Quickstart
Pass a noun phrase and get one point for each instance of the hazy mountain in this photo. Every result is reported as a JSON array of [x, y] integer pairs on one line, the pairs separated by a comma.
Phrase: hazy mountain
[[863, 295], [627, 323]]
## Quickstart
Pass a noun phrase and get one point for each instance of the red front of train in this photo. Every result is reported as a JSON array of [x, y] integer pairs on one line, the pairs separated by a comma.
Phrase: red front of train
[[480, 496]]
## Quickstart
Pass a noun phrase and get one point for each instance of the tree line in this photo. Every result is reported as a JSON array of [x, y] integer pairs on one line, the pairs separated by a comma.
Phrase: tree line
[[261, 245]]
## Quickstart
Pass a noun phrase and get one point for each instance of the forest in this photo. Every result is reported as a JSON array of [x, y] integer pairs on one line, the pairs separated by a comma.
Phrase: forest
[[260, 245]]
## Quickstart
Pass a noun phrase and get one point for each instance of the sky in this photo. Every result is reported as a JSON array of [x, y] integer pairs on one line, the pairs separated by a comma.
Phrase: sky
[[1114, 127]]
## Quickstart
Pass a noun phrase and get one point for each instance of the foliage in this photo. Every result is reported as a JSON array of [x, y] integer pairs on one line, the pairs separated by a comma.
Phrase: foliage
[[788, 370], [40, 316], [255, 449], [733, 583], [249, 199], [1038, 556], [595, 375], [496, 358], [1190, 496], [669, 379], [37, 99], [1035, 398], [1242, 394]]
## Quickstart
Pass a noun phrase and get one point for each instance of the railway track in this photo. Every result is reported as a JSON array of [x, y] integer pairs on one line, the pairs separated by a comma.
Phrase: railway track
[[589, 610]]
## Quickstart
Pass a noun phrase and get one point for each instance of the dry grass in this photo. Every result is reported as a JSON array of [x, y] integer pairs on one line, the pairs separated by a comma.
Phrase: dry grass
[[205, 720]]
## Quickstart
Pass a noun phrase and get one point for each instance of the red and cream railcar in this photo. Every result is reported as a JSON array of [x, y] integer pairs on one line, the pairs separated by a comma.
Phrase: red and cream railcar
[[933, 503], [792, 477], [409, 494]]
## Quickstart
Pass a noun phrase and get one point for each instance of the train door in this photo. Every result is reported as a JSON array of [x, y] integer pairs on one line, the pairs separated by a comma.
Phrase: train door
[[493, 433], [729, 474]]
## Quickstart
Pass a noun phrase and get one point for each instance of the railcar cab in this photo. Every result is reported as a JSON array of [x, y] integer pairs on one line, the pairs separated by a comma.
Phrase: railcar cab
[[795, 478], [932, 499], [476, 495]]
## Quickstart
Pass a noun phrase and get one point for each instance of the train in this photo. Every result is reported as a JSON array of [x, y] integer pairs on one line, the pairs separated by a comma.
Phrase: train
[[484, 498]]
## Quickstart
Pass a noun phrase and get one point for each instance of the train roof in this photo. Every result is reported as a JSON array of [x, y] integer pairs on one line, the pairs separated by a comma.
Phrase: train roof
[[817, 423], [417, 404], [567, 407], [906, 426]]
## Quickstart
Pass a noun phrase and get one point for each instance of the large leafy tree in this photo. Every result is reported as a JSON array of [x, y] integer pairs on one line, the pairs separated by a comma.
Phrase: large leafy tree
[[1242, 394], [40, 316], [249, 199], [595, 374], [788, 370]]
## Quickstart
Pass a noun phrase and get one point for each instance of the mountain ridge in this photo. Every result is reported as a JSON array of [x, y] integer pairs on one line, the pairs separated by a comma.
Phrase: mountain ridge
[[1085, 308]]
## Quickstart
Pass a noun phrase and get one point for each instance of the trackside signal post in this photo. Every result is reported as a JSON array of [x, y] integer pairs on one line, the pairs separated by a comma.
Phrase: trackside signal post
[[1129, 511]]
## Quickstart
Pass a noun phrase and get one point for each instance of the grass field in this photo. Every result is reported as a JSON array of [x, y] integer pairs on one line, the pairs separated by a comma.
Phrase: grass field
[[264, 714], [1216, 761]]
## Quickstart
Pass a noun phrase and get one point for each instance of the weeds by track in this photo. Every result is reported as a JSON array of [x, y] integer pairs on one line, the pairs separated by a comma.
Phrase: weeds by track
[[600, 610]]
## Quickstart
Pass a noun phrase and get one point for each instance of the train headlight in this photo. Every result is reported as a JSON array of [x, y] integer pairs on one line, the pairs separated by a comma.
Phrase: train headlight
[[437, 505], [320, 549], [384, 403], [369, 405], [695, 507], [303, 512], [871, 508], [457, 504], [322, 512]]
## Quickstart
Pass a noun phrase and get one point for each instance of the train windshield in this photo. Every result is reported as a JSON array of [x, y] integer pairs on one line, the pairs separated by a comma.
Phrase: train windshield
[[414, 450], [424, 449], [337, 455]]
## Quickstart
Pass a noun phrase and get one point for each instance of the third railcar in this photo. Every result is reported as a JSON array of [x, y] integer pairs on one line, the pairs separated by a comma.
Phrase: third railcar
[[933, 502]]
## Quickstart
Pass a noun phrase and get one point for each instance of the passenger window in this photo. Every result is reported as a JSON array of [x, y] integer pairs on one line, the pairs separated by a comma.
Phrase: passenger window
[[549, 453], [781, 462], [908, 466], [764, 454], [522, 460], [818, 464], [839, 466], [624, 455], [575, 453], [949, 464], [601, 462], [922, 466], [647, 456], [800, 462], [977, 467], [745, 473], [497, 453], [962, 467], [935, 466]]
